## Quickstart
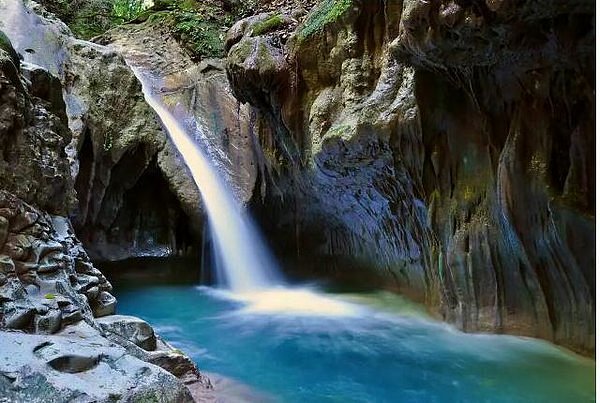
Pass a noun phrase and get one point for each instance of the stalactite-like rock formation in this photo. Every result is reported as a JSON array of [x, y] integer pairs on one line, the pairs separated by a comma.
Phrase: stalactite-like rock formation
[[446, 148]]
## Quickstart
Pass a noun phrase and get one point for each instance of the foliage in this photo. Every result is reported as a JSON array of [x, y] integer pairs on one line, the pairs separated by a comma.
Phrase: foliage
[[198, 25], [202, 37], [86, 18], [127, 10], [49, 296], [327, 12]]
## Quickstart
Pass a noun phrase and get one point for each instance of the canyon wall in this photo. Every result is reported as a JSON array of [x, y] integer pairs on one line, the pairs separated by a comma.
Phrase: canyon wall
[[118, 153], [441, 148], [60, 337]]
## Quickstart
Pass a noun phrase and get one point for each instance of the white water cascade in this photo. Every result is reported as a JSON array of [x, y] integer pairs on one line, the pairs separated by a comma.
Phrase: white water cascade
[[243, 262]]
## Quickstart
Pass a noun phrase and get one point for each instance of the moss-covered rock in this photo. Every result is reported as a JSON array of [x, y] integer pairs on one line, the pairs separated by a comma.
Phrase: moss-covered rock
[[326, 12], [270, 24]]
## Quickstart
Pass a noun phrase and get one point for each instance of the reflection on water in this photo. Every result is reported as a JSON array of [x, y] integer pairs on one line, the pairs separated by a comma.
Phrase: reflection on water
[[345, 348]]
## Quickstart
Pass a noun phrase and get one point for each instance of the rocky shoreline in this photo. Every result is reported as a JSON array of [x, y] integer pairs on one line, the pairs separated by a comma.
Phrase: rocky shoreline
[[61, 339]]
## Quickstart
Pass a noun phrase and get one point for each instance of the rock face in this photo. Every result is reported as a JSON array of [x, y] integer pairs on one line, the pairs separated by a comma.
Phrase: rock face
[[53, 347], [40, 254], [118, 152], [446, 148], [39, 149], [199, 95]]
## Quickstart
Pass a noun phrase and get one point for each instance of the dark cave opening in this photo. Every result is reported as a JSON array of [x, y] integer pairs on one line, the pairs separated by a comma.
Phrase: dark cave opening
[[138, 214]]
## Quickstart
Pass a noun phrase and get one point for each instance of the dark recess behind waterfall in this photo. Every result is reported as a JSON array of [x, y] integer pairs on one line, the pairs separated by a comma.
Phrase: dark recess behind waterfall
[[134, 217]]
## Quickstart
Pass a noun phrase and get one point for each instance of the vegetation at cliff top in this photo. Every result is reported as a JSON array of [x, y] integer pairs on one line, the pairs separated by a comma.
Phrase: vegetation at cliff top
[[199, 25], [327, 12]]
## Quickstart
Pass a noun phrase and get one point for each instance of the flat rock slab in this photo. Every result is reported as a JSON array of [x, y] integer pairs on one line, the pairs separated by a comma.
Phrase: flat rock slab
[[79, 365]]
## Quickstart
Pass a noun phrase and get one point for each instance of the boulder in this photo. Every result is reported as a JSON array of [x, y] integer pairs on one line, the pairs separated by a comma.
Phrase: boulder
[[131, 328]]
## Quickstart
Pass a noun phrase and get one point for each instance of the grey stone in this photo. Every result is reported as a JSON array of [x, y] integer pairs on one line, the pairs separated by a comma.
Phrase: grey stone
[[131, 328]]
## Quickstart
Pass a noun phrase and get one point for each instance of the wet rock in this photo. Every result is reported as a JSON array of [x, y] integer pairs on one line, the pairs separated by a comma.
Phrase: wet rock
[[433, 156], [202, 96]]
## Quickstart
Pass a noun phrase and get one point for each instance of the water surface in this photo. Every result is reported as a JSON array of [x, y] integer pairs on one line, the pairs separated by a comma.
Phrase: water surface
[[355, 351]]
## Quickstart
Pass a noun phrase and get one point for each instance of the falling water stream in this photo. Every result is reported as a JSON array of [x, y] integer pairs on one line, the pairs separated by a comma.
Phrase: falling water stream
[[298, 344], [243, 263]]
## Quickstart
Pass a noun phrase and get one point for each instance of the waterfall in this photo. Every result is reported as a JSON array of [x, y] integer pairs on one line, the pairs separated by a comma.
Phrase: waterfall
[[243, 263]]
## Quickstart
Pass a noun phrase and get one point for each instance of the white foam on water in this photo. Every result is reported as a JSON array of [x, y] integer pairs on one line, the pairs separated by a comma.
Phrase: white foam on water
[[295, 302], [287, 301]]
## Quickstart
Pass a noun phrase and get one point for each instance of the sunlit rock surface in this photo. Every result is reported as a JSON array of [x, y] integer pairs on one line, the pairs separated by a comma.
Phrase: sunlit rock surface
[[441, 148], [38, 368], [199, 96]]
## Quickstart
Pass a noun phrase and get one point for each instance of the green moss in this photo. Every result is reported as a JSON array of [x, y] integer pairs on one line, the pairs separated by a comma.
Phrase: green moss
[[327, 12], [265, 58], [241, 51], [270, 24], [200, 37], [49, 296]]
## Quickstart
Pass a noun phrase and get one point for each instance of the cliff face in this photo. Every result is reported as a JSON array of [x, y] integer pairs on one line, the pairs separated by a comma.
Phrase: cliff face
[[198, 94], [60, 337], [118, 152], [442, 148], [56, 309]]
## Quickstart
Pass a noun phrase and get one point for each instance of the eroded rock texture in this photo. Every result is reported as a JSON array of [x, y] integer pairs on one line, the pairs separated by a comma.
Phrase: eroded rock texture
[[40, 255], [445, 147], [52, 346], [54, 368], [118, 152], [39, 149]]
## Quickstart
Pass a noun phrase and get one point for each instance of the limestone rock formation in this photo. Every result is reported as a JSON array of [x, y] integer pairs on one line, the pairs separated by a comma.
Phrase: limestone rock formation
[[118, 148], [199, 94], [53, 368], [446, 148], [53, 348]]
